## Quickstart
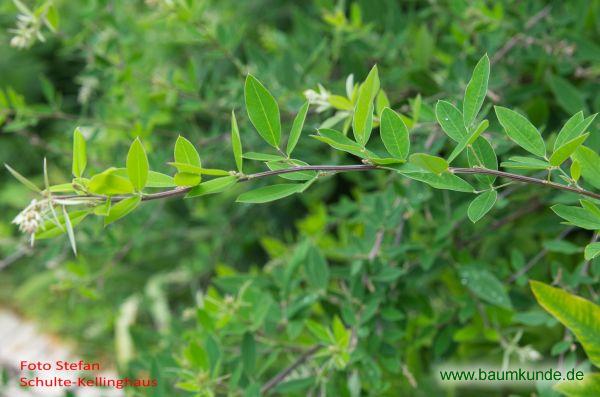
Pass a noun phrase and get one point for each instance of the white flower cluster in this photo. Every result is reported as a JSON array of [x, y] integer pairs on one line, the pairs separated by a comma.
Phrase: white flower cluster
[[321, 98], [30, 24], [26, 32], [30, 219]]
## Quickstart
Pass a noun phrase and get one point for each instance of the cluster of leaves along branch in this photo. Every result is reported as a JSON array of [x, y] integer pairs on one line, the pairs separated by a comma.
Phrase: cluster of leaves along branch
[[117, 191], [569, 166]]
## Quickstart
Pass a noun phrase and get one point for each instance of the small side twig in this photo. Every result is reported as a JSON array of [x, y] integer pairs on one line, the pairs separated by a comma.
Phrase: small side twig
[[280, 377], [536, 258], [15, 256], [514, 40]]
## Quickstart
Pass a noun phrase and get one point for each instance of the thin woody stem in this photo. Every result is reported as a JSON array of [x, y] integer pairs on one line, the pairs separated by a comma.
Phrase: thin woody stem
[[180, 191], [524, 179]]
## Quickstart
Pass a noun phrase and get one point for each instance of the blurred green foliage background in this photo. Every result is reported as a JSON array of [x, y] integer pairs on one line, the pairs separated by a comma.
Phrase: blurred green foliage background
[[219, 297]]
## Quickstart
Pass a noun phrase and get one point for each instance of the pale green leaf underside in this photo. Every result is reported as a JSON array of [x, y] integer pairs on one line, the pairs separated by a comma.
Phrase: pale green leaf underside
[[434, 164], [481, 205], [445, 180], [122, 208], [216, 185]]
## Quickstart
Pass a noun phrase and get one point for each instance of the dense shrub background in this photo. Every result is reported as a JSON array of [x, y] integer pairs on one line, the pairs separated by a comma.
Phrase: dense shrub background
[[156, 69]]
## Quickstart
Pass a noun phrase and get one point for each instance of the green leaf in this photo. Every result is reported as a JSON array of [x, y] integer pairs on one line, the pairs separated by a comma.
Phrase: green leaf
[[485, 285], [481, 205], [216, 185], [574, 127], [62, 188], [339, 141], [102, 209], [262, 156], [451, 120], [317, 269], [590, 165], [319, 331], [561, 246], [362, 122], [340, 102], [52, 17], [476, 90], [416, 108], [385, 160], [192, 169], [263, 111], [591, 207], [435, 164], [567, 95], [575, 170], [566, 150], [468, 140], [481, 153], [521, 131], [70, 233], [187, 179], [22, 179], [186, 153], [110, 183], [294, 176], [137, 165], [578, 314], [340, 333], [79, 153], [577, 216], [381, 102], [588, 387], [50, 229], [236, 143], [525, 163], [297, 128], [270, 193], [592, 250], [155, 179], [122, 208], [394, 134], [444, 181]]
